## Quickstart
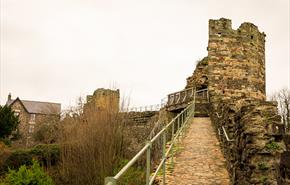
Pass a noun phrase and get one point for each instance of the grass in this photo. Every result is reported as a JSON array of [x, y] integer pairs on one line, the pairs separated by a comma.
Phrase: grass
[[129, 178]]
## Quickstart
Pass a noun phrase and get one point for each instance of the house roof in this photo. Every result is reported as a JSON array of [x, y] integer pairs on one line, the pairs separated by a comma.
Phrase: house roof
[[37, 107]]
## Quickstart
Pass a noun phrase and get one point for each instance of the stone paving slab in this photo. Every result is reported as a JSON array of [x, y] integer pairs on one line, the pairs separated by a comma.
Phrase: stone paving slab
[[200, 161]]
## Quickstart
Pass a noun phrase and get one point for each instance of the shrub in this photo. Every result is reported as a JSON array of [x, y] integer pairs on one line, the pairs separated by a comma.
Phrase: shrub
[[5, 152], [8, 121], [46, 154], [47, 133], [28, 176], [92, 145], [16, 135], [6, 141]]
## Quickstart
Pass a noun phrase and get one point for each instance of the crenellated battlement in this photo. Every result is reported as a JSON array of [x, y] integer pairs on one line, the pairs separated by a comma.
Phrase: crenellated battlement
[[236, 61], [219, 26], [224, 26]]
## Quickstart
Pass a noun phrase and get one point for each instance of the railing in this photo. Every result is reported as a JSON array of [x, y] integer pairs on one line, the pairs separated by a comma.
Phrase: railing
[[203, 93], [176, 98], [226, 135], [155, 107], [186, 95], [180, 96], [224, 131], [177, 125]]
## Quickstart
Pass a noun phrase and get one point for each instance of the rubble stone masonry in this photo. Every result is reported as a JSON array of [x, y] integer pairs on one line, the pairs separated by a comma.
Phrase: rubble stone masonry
[[236, 61], [234, 73]]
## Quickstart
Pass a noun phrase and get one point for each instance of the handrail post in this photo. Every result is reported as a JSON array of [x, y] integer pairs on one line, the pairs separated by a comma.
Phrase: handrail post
[[110, 181], [178, 123], [182, 122], [182, 119], [148, 162], [172, 138], [163, 156], [172, 131]]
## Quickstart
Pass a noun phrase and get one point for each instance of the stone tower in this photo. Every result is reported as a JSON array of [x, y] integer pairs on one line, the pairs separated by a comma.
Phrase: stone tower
[[234, 74], [103, 99], [236, 61]]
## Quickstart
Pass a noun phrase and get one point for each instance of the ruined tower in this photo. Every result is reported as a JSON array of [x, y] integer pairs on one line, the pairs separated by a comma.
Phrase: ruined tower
[[246, 124], [236, 61], [103, 99]]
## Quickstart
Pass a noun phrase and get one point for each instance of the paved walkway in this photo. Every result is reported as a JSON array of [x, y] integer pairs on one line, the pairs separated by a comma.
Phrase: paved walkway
[[200, 161]]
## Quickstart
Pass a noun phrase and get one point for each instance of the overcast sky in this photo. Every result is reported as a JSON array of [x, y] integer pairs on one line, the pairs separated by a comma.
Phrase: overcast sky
[[58, 50]]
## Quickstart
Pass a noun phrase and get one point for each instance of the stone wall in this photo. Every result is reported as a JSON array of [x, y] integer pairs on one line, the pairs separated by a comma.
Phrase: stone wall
[[253, 157], [285, 161], [199, 78], [234, 73], [142, 126], [236, 61], [138, 127], [140, 118], [24, 117]]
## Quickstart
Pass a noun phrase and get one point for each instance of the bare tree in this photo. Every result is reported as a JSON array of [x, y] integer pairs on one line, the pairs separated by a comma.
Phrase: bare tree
[[283, 99]]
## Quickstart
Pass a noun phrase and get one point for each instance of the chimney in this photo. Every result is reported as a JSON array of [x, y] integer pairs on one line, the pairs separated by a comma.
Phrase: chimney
[[9, 97]]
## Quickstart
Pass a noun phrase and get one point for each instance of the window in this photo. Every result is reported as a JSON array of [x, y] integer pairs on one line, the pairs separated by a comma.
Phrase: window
[[32, 118], [31, 129], [16, 112]]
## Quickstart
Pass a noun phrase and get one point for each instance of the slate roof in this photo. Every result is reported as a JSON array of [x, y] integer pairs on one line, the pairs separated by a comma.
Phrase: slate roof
[[36, 107]]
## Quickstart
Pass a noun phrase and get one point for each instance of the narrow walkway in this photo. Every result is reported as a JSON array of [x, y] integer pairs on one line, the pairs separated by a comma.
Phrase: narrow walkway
[[200, 161]]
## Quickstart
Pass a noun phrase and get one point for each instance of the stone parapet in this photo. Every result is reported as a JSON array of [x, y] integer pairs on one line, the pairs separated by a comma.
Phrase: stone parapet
[[253, 157]]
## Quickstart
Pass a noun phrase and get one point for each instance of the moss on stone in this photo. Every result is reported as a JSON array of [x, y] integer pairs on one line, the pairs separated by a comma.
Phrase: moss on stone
[[263, 166], [272, 146]]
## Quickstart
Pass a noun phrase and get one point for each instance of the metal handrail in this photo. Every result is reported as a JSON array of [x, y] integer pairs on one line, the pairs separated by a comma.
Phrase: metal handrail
[[219, 116], [179, 95], [182, 120], [224, 131], [201, 90], [171, 99], [226, 135], [191, 88], [184, 98], [155, 107], [174, 98]]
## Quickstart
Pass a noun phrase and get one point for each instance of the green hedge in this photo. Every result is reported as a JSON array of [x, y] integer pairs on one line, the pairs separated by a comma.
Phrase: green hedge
[[45, 154]]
